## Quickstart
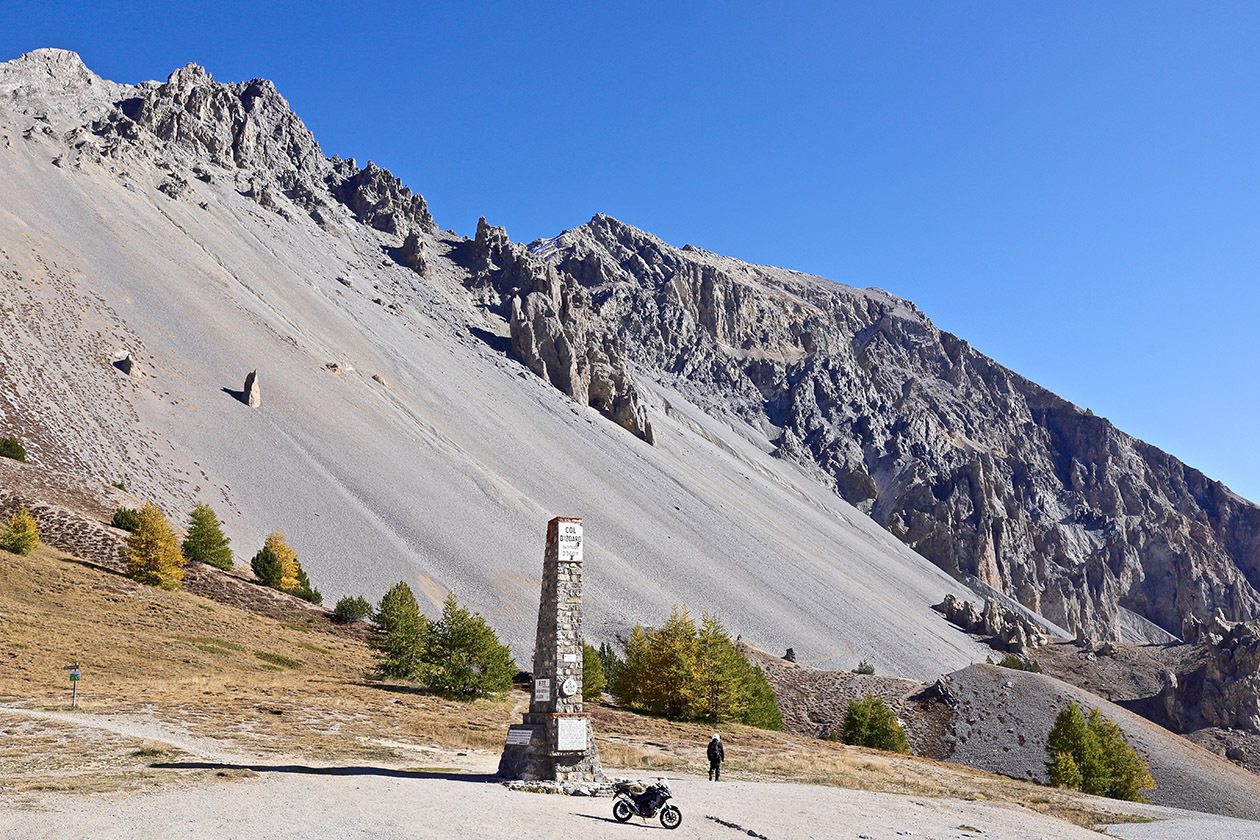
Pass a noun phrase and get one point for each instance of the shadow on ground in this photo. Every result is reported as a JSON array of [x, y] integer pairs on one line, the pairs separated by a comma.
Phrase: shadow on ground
[[329, 771]]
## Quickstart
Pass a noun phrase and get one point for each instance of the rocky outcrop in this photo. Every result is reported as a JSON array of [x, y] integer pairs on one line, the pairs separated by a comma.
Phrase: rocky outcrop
[[976, 468], [249, 128], [553, 330], [1223, 691], [251, 394], [380, 200], [1006, 629]]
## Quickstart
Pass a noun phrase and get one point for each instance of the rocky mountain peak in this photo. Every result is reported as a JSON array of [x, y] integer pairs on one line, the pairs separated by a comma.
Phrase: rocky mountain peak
[[53, 86]]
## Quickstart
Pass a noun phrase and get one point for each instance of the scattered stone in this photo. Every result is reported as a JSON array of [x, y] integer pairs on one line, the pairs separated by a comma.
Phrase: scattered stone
[[174, 186], [376, 377], [125, 364], [413, 254], [790, 656], [735, 826], [561, 788], [251, 395], [1007, 630]]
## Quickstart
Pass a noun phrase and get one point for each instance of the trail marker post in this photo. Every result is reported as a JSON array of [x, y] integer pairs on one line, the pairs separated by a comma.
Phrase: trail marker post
[[75, 674]]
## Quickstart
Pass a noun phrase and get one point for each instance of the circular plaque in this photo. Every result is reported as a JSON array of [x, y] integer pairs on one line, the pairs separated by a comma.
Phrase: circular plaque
[[569, 688]]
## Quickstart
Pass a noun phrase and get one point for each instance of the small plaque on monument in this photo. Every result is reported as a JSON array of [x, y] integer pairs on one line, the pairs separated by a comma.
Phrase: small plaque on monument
[[542, 690], [520, 735]]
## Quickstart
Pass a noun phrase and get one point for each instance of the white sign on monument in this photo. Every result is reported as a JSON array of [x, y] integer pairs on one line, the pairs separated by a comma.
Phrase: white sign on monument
[[571, 735], [542, 690], [570, 542]]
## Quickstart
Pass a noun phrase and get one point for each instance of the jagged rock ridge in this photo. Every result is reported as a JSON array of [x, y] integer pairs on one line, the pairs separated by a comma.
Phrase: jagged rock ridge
[[975, 467]]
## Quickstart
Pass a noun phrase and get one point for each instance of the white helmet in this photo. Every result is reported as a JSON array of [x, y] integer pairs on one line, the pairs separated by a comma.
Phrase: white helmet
[[717, 737]]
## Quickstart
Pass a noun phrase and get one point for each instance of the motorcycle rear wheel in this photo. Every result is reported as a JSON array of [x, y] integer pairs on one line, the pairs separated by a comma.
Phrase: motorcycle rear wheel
[[671, 817], [622, 810]]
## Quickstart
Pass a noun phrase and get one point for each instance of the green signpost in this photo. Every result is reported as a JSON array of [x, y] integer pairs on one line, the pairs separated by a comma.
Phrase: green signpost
[[75, 675]]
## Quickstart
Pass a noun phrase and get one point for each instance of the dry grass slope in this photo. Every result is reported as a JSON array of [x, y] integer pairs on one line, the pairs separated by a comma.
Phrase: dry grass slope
[[235, 682]]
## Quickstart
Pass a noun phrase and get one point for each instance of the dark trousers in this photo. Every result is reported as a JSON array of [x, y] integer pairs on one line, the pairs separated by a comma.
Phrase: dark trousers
[[715, 770]]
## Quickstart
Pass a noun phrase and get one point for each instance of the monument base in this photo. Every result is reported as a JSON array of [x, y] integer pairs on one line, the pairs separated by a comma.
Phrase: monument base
[[529, 756]]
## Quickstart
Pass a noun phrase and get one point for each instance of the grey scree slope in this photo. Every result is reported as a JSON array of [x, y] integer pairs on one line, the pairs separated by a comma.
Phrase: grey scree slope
[[446, 476]]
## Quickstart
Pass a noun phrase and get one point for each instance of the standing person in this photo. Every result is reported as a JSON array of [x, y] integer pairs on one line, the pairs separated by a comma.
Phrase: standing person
[[716, 756]]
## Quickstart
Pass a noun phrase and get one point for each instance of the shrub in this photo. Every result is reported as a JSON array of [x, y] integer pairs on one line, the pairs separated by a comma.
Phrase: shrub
[[153, 555], [351, 609], [266, 567], [870, 723], [593, 682], [126, 518], [21, 534], [398, 631], [864, 667], [1017, 663], [462, 656], [763, 704], [683, 672], [610, 663], [120, 485], [205, 542], [12, 448], [1091, 754], [288, 558], [304, 589]]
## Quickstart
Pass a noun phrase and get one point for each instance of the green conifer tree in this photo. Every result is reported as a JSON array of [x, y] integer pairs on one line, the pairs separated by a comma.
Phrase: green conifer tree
[[463, 657], [630, 676], [267, 568], [762, 709], [721, 672], [398, 633], [593, 682], [670, 687], [870, 723], [205, 542], [1071, 735]]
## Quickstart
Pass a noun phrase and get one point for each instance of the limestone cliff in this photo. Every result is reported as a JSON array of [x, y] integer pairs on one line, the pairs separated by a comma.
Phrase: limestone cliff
[[975, 467]]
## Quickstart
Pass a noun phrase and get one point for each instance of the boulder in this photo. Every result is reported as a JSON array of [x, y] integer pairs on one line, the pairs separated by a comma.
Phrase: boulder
[[251, 395]]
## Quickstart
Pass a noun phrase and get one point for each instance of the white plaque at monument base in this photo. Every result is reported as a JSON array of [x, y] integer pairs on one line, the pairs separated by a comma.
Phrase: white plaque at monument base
[[571, 735]]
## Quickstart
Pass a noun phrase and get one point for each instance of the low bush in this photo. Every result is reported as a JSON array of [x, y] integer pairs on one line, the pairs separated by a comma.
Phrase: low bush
[[126, 518], [864, 667], [12, 448], [351, 609], [1017, 663], [870, 723], [21, 533]]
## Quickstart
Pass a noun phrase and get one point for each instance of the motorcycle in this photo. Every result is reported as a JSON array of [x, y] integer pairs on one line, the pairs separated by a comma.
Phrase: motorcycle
[[646, 803]]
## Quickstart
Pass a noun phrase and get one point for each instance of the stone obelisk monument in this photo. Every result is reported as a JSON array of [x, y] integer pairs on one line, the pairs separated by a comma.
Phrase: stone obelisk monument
[[555, 741]]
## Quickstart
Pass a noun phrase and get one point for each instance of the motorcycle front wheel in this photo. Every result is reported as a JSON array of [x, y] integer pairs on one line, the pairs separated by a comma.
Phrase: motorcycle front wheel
[[671, 817], [622, 810]]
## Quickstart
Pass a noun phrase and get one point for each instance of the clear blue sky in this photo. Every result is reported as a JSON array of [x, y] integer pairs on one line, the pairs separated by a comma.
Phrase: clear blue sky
[[1074, 188]]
